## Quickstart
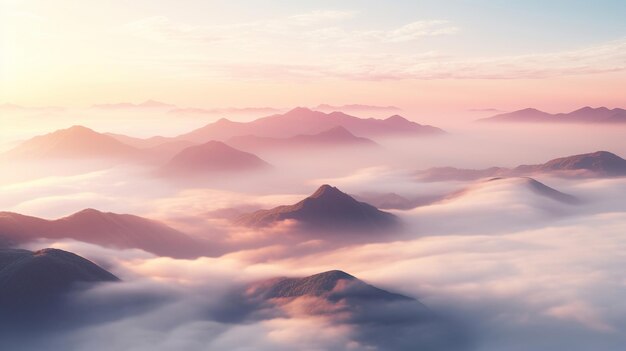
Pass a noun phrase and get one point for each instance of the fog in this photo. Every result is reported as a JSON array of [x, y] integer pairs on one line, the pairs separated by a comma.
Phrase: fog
[[499, 265]]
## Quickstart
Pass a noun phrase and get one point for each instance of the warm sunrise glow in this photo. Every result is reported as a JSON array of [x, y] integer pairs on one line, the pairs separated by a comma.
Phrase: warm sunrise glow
[[312, 175]]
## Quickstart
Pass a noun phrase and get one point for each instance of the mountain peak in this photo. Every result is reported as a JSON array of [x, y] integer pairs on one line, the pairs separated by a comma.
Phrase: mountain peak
[[326, 285], [77, 129], [299, 109], [337, 131], [327, 208], [396, 118], [330, 192]]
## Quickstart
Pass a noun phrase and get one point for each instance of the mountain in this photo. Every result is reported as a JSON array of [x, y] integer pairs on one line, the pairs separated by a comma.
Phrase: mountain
[[523, 189], [210, 158], [31, 280], [355, 108], [228, 110], [72, 143], [148, 104], [334, 137], [328, 208], [600, 163], [596, 164], [304, 121], [378, 319], [332, 285], [107, 229], [584, 115]]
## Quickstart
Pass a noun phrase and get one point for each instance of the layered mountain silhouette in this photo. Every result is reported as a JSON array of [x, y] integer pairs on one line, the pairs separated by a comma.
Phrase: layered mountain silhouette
[[32, 281], [334, 137], [304, 121], [355, 108], [148, 104], [584, 115], [259, 111], [327, 209], [333, 285], [523, 185], [213, 157], [596, 164], [102, 228], [72, 143]]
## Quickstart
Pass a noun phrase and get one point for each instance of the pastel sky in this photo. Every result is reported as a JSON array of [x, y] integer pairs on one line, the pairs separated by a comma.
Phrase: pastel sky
[[423, 55]]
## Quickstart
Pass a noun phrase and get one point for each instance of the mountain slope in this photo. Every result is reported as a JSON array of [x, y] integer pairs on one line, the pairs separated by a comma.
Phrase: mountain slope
[[602, 163], [584, 115], [33, 279], [102, 228], [596, 164], [332, 285], [72, 143], [327, 208], [334, 137], [212, 157]]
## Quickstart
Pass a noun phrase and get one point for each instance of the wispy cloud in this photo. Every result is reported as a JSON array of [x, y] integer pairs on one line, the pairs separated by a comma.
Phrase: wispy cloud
[[320, 45]]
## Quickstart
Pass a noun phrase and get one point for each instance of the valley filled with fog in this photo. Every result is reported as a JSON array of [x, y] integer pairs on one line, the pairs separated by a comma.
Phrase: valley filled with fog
[[468, 237]]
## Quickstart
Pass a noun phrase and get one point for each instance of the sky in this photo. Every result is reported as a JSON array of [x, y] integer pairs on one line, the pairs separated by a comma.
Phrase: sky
[[439, 57]]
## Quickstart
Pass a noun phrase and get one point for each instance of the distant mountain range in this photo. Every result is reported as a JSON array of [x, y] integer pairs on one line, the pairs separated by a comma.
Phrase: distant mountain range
[[212, 157], [228, 110], [583, 115], [107, 229], [304, 121], [32, 281], [597, 164], [298, 127], [332, 138], [148, 104], [355, 108], [327, 209]]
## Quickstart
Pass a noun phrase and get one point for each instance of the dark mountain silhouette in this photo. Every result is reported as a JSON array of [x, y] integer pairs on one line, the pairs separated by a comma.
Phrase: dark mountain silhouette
[[102, 228], [327, 208], [379, 319], [596, 164], [584, 115], [333, 285], [210, 158], [72, 143], [30, 281], [304, 121], [334, 137]]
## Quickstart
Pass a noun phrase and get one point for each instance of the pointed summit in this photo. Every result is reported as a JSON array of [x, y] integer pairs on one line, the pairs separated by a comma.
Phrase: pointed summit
[[327, 208], [327, 191]]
